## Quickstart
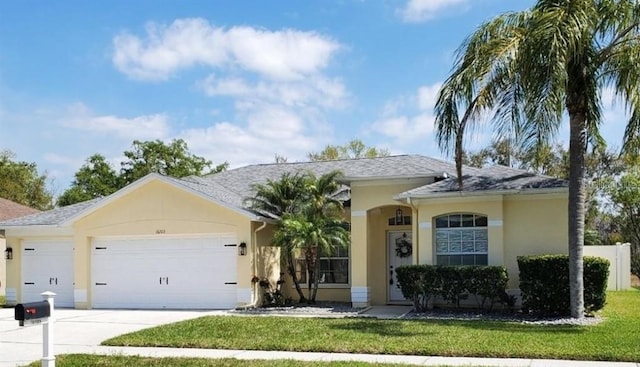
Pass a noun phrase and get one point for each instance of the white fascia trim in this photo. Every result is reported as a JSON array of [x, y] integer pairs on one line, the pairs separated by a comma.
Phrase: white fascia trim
[[143, 181], [38, 230], [455, 194], [390, 178], [387, 181]]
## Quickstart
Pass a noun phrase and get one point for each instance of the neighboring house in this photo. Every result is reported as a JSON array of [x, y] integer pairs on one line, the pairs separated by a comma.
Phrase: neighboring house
[[9, 210], [163, 242]]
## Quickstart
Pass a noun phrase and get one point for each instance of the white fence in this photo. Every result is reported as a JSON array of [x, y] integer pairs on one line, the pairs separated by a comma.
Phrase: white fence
[[620, 269]]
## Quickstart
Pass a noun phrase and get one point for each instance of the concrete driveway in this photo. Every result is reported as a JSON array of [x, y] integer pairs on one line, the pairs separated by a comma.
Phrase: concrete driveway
[[78, 328]]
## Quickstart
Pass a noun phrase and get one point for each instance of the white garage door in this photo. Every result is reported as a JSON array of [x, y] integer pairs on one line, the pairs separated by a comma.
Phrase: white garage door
[[47, 266], [164, 272]]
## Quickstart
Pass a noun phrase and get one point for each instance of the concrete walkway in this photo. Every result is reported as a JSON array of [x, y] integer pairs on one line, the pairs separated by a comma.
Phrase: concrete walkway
[[81, 331]]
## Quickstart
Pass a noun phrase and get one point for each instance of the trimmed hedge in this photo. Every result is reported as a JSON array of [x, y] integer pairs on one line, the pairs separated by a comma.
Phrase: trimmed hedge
[[421, 283], [544, 283]]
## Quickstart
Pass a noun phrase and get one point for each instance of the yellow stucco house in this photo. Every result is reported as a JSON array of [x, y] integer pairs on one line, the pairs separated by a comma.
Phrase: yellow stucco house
[[191, 243]]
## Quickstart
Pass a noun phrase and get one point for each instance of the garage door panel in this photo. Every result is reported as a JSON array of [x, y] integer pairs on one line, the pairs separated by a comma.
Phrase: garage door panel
[[164, 273], [48, 266]]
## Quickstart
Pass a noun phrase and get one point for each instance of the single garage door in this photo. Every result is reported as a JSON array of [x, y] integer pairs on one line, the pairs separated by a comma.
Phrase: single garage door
[[47, 266], [164, 272]]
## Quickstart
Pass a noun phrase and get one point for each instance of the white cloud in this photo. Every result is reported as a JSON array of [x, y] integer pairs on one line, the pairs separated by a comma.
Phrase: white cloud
[[321, 91], [278, 55], [79, 117], [409, 119], [259, 142], [416, 11], [427, 96]]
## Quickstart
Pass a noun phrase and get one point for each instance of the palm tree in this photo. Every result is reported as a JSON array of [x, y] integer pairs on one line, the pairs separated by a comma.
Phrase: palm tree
[[325, 213], [313, 236], [529, 68], [309, 220], [276, 199]]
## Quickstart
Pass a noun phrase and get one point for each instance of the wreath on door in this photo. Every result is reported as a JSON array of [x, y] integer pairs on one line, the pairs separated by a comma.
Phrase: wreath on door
[[403, 247]]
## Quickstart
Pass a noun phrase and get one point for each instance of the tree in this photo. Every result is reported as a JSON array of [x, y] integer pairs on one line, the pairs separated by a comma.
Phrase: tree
[[173, 160], [531, 67], [276, 199], [96, 178], [625, 195], [20, 182], [309, 220], [353, 149], [322, 223]]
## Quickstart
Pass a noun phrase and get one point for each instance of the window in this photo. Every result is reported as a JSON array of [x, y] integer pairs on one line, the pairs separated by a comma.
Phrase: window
[[461, 239], [334, 269]]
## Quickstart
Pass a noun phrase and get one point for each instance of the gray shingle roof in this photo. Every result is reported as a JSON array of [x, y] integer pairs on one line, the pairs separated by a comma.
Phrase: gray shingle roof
[[495, 178], [51, 217], [232, 187], [239, 181]]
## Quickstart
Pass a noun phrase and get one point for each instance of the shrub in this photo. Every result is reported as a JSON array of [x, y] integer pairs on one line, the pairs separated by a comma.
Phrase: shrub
[[453, 285], [544, 283], [418, 283], [488, 284], [421, 283]]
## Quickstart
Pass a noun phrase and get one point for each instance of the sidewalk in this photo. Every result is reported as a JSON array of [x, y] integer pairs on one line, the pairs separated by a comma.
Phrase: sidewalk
[[307, 356]]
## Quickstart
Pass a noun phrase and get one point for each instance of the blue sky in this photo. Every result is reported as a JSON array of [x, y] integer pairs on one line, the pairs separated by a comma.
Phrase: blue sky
[[240, 81]]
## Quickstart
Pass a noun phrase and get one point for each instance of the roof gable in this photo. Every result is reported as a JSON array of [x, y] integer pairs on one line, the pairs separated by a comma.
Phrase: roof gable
[[494, 178], [10, 210]]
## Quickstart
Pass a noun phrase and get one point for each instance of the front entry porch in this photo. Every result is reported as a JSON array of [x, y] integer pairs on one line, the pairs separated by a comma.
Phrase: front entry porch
[[383, 239]]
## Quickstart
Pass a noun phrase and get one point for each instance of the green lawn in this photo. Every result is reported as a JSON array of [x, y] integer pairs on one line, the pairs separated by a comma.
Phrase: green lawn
[[615, 339], [83, 360]]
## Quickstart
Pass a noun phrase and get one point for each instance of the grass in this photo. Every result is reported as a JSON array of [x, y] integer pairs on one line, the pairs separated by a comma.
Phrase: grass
[[2, 301], [83, 360], [615, 339]]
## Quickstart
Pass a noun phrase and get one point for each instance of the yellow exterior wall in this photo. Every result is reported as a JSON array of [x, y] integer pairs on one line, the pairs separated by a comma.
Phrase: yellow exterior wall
[[160, 209], [517, 225], [489, 206], [534, 225], [3, 267], [153, 209], [371, 206]]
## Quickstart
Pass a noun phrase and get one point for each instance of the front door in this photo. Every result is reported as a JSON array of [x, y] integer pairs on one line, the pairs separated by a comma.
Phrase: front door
[[400, 252]]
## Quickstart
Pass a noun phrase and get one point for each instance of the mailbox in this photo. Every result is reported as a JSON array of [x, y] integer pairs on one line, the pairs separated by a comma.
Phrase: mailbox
[[32, 311]]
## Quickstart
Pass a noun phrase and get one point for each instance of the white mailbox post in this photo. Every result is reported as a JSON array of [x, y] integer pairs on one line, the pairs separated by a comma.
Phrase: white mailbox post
[[48, 357], [36, 313]]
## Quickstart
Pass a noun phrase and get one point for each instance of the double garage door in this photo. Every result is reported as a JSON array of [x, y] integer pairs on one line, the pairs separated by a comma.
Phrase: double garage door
[[175, 273], [156, 273]]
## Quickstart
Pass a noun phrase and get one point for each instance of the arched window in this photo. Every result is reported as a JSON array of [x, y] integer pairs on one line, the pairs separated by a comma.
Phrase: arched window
[[461, 239]]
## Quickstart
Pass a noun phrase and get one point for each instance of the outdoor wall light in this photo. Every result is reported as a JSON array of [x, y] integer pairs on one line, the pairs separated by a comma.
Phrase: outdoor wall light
[[8, 253], [242, 249], [399, 216]]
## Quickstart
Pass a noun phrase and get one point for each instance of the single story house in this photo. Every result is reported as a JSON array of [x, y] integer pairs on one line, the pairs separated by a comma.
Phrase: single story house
[[163, 242], [9, 210]]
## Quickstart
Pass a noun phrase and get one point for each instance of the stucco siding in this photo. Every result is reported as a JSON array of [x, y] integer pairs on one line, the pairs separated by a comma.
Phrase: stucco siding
[[534, 225], [492, 207]]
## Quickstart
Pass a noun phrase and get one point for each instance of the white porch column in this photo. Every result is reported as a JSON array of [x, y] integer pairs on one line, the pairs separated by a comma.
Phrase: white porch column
[[360, 291]]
